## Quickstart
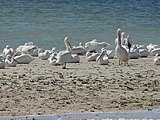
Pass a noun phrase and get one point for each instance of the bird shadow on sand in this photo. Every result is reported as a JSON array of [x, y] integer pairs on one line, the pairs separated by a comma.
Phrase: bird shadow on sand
[[71, 68]]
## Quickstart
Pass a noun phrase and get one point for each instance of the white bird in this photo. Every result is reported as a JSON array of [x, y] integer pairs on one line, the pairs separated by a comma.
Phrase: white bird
[[134, 55], [8, 51], [66, 56], [10, 61], [156, 60], [74, 59], [53, 59], [33, 51], [91, 56], [123, 39], [152, 47], [155, 51], [28, 48], [80, 50], [24, 59], [93, 45], [125, 42], [44, 55], [103, 59], [121, 53], [110, 53], [141, 50]]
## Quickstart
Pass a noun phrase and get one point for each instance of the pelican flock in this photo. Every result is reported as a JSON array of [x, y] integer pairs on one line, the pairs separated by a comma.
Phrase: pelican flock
[[124, 50]]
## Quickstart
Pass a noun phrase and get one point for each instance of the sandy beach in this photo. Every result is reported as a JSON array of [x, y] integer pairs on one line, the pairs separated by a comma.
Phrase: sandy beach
[[39, 88]]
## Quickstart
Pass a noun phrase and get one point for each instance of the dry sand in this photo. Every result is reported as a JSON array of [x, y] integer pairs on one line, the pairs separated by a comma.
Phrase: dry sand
[[39, 88]]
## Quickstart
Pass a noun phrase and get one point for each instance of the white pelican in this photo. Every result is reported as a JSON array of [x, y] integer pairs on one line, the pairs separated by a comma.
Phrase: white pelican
[[28, 48], [141, 50], [10, 61], [156, 60], [121, 53], [53, 59], [152, 47], [91, 56], [74, 59], [44, 55], [66, 56], [155, 51], [125, 42], [123, 39], [102, 59], [110, 53], [24, 59], [93, 45], [138, 47], [133, 53], [8, 51], [33, 51], [80, 50], [2, 63]]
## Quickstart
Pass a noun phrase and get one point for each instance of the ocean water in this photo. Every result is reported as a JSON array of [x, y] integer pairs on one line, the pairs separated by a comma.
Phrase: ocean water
[[47, 22], [132, 115]]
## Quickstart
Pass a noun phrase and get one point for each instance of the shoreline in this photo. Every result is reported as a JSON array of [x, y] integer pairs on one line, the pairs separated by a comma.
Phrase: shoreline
[[39, 88], [139, 114]]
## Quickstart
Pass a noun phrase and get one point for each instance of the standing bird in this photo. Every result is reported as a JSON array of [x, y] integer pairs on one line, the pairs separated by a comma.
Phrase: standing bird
[[66, 56], [120, 52]]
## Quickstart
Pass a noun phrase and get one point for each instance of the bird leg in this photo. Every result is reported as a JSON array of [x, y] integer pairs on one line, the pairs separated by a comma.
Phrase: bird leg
[[126, 62], [64, 66], [119, 62]]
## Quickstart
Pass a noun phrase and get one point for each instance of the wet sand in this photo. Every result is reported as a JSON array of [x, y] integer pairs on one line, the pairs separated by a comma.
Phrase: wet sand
[[39, 88]]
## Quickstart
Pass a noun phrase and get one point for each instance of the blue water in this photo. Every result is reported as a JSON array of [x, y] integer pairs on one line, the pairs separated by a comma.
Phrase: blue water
[[47, 22], [133, 115]]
